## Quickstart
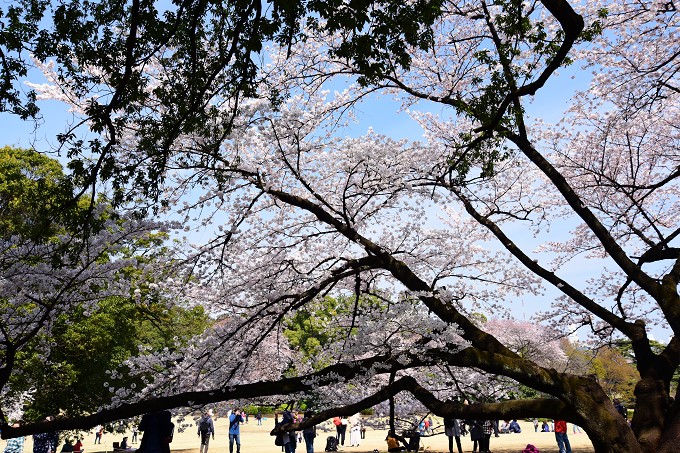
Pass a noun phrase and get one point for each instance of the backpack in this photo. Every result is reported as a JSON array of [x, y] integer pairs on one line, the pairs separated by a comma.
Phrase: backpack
[[530, 449], [204, 425], [331, 443]]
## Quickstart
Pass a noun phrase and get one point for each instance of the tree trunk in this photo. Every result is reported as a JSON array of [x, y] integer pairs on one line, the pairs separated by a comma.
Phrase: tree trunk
[[607, 429], [670, 439], [651, 412]]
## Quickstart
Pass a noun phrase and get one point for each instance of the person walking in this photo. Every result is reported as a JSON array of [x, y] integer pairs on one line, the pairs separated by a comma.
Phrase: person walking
[[561, 436], [98, 433], [452, 430], [206, 428], [235, 419]]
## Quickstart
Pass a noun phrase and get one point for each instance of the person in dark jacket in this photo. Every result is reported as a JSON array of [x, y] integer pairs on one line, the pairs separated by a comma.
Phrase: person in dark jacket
[[309, 434], [158, 432]]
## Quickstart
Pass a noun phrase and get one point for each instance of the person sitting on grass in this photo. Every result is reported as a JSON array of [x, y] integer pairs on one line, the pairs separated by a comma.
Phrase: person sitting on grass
[[124, 444], [514, 427], [393, 442]]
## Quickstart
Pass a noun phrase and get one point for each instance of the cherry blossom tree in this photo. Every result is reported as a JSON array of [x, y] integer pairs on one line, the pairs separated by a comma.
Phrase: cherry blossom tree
[[490, 206]]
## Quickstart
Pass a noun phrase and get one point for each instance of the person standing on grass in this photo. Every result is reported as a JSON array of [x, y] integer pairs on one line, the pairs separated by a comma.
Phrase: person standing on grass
[[452, 430], [15, 444], [561, 436], [289, 437], [621, 409], [487, 428], [309, 434], [476, 433], [337, 422], [98, 432], [158, 430], [46, 442], [235, 419], [355, 430]]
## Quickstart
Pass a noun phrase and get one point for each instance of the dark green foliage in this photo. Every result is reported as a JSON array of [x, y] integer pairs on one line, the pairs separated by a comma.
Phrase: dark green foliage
[[377, 34], [309, 330], [35, 196], [86, 347], [67, 371]]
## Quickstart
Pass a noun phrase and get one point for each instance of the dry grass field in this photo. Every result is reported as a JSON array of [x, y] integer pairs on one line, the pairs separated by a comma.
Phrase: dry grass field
[[256, 439]]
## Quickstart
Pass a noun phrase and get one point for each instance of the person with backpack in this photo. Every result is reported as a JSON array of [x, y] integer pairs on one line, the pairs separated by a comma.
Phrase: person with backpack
[[206, 428]]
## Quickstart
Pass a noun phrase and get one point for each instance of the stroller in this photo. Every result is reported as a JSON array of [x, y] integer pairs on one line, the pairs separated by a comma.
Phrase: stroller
[[331, 443]]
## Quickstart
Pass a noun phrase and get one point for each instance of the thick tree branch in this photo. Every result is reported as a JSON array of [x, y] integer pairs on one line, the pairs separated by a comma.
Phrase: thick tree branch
[[542, 407], [608, 242], [629, 329], [572, 25], [401, 272]]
